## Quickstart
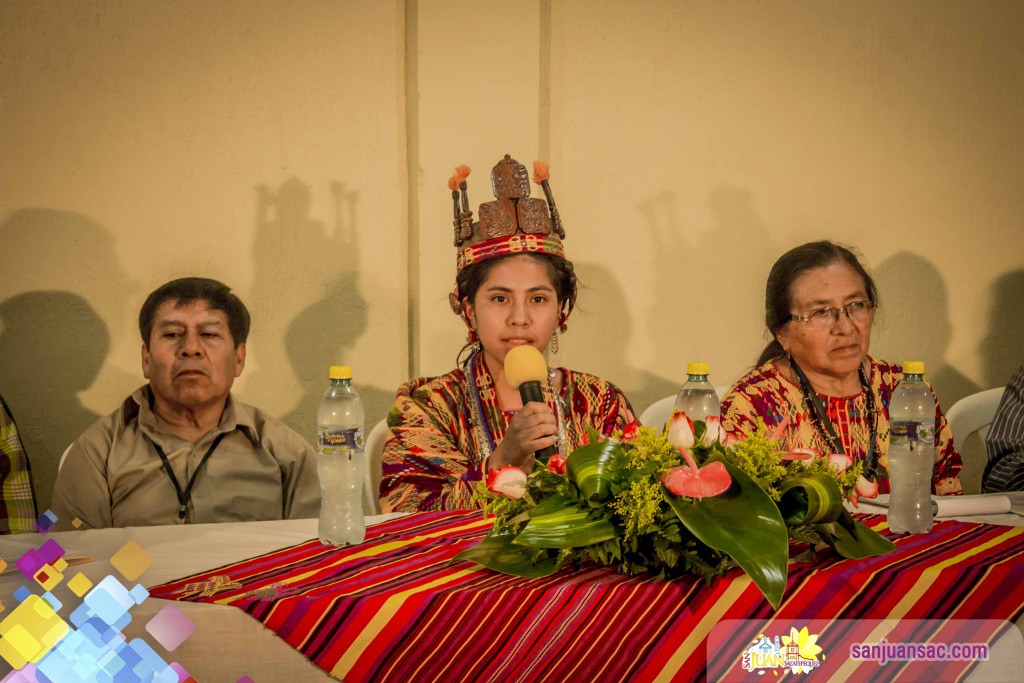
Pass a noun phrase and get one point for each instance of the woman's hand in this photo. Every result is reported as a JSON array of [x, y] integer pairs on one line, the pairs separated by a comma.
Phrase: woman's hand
[[531, 429]]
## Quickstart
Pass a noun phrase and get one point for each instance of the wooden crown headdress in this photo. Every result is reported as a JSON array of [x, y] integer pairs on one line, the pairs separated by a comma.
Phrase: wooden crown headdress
[[514, 223]]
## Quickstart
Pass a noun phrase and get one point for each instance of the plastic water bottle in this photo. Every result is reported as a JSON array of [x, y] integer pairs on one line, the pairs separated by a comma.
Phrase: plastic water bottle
[[697, 398], [339, 461], [911, 452]]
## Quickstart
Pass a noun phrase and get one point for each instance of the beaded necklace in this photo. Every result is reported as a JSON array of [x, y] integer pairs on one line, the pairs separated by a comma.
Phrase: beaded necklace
[[485, 414], [823, 425]]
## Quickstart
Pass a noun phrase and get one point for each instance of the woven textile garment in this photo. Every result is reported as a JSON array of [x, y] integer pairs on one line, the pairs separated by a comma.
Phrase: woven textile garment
[[17, 500], [768, 393], [434, 454], [397, 607]]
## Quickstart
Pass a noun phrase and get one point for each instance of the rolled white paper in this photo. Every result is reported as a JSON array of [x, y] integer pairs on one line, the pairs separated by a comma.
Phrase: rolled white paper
[[955, 506], [960, 506]]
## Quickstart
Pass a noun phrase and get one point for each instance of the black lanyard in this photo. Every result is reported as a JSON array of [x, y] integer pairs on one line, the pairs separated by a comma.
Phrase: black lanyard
[[824, 425], [184, 496]]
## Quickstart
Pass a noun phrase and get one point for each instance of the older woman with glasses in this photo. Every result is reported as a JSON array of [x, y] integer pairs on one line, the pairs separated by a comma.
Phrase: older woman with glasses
[[816, 374]]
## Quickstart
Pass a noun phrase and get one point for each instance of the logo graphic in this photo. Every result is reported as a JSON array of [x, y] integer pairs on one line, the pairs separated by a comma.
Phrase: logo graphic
[[44, 639], [797, 652]]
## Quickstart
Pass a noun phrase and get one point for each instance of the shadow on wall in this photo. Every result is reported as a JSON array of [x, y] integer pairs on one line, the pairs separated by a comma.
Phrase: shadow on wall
[[603, 314], [64, 291], [913, 323], [52, 345], [1003, 348], [304, 265], [342, 314], [690, 267]]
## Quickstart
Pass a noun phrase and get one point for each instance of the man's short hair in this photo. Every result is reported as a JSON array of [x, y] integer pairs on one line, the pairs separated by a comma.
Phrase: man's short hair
[[186, 290]]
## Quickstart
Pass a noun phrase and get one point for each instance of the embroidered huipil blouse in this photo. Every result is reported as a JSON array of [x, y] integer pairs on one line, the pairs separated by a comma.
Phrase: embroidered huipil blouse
[[769, 393], [441, 430]]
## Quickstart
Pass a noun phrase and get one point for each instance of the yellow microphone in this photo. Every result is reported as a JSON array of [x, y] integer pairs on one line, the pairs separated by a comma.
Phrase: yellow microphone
[[525, 370]]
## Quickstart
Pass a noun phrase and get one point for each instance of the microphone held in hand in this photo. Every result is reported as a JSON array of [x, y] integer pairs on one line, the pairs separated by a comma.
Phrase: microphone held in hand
[[525, 370]]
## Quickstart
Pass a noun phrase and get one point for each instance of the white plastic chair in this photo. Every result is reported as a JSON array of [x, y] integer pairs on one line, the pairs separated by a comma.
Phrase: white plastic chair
[[973, 415], [64, 456], [657, 414], [373, 450]]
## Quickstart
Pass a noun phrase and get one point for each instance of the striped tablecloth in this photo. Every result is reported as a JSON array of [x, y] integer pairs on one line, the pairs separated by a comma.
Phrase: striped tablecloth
[[398, 607]]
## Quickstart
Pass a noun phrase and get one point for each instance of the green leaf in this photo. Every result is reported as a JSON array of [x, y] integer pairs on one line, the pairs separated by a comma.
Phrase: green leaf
[[553, 503], [496, 551], [744, 523], [810, 498], [566, 528], [587, 467], [852, 540]]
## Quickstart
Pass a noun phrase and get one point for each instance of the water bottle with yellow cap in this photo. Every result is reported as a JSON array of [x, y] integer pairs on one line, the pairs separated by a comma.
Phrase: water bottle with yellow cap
[[339, 461], [697, 398], [911, 452]]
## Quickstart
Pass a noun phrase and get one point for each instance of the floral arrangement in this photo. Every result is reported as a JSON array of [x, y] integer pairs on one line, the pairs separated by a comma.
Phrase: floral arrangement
[[684, 500]]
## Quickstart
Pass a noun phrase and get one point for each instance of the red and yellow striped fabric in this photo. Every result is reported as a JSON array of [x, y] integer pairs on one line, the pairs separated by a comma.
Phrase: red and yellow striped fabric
[[398, 607]]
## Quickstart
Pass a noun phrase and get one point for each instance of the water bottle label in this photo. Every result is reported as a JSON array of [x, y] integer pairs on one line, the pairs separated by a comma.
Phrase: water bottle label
[[900, 431], [340, 441], [916, 434]]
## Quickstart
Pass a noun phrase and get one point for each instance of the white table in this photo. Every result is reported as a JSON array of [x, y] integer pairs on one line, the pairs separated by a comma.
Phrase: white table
[[227, 643]]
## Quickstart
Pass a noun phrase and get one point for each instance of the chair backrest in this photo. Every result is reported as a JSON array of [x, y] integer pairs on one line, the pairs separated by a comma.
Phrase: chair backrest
[[970, 419], [974, 413], [657, 414], [373, 450], [64, 456]]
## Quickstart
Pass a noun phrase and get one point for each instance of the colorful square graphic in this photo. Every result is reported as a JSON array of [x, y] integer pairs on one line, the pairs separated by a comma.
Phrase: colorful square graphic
[[170, 627], [131, 560], [30, 631], [109, 601], [48, 577], [79, 584], [88, 644], [45, 522]]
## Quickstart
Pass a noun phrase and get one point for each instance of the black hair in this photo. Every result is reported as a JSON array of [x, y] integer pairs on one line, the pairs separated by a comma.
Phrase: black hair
[[186, 290], [778, 293]]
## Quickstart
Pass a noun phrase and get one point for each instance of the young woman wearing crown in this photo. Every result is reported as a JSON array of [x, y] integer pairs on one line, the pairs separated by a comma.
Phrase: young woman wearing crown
[[514, 287]]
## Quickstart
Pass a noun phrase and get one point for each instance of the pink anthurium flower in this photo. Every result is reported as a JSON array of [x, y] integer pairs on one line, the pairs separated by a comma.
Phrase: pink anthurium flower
[[680, 431], [801, 455], [509, 481], [556, 463], [697, 482], [712, 430], [840, 462], [630, 431]]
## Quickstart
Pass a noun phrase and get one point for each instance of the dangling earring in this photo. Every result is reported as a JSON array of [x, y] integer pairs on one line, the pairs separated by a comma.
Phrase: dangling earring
[[471, 337], [554, 341]]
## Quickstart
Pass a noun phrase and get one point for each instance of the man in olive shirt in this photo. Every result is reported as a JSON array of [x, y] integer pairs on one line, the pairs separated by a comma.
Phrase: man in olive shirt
[[182, 449]]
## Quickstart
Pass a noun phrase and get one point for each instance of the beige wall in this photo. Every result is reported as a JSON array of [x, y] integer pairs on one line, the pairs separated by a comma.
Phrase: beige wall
[[299, 152]]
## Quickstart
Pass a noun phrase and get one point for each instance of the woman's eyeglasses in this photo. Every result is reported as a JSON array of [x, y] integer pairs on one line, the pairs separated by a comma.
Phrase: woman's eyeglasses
[[826, 316]]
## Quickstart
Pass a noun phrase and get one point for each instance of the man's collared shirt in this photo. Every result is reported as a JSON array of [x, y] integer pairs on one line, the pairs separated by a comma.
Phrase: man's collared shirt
[[114, 477]]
